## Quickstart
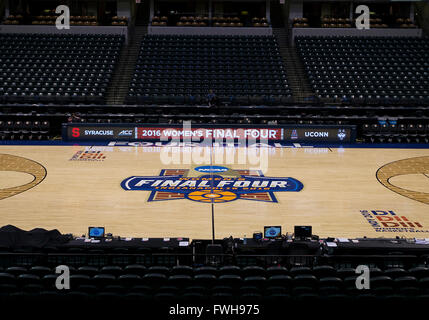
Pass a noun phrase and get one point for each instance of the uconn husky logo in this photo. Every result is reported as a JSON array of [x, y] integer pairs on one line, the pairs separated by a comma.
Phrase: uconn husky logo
[[341, 134]]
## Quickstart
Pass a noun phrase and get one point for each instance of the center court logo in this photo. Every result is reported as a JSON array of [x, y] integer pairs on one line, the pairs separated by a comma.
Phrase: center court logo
[[209, 184]]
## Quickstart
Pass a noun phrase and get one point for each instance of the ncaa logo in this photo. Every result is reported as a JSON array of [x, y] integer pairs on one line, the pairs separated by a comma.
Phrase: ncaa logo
[[96, 232], [211, 169], [272, 232]]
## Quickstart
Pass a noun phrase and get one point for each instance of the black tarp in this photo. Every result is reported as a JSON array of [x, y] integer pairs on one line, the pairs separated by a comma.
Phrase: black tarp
[[12, 237]]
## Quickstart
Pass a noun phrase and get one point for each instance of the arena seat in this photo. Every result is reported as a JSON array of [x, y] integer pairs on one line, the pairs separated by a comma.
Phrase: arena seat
[[173, 69], [367, 69], [24, 130], [57, 68], [135, 269], [321, 282]]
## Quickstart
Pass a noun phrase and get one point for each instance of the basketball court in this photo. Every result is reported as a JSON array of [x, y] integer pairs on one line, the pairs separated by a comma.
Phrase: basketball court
[[163, 191]]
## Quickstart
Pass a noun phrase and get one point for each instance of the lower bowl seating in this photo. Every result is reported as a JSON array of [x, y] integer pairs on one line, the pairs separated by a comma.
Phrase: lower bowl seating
[[44, 68], [175, 69], [367, 69]]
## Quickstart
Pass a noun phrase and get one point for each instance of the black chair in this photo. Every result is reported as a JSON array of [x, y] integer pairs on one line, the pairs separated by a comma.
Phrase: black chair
[[104, 280], [159, 269], [206, 280], [324, 271], [16, 271], [230, 270], [395, 272], [381, 281], [277, 271], [295, 271], [136, 269], [231, 280], [113, 270], [48, 281], [154, 279], [180, 281], [255, 281], [40, 271], [87, 270], [419, 272], [182, 270], [253, 271], [76, 280], [129, 280], [305, 280], [27, 279], [206, 270], [7, 278]]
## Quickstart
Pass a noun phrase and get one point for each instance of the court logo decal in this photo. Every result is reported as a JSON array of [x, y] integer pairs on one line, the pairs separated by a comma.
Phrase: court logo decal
[[88, 156], [19, 164], [389, 221], [396, 172], [209, 184]]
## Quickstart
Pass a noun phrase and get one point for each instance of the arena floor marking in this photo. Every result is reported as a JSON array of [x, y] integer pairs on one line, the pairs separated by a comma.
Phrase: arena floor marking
[[159, 191]]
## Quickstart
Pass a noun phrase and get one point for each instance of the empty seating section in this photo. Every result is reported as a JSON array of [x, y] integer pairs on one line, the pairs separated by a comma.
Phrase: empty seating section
[[241, 70], [395, 132], [136, 281], [24, 130], [367, 69], [56, 68]]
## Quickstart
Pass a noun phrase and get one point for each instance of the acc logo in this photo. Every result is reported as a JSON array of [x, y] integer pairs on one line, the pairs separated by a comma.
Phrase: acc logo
[[211, 184], [125, 133]]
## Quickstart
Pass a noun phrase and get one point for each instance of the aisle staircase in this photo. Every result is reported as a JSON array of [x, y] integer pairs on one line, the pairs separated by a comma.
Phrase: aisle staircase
[[297, 78], [124, 71]]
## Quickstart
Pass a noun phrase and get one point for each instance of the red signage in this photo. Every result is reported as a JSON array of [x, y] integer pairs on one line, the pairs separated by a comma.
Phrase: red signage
[[75, 132], [209, 133]]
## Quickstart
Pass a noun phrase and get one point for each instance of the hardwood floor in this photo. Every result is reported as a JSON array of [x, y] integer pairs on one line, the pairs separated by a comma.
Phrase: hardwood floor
[[344, 194]]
